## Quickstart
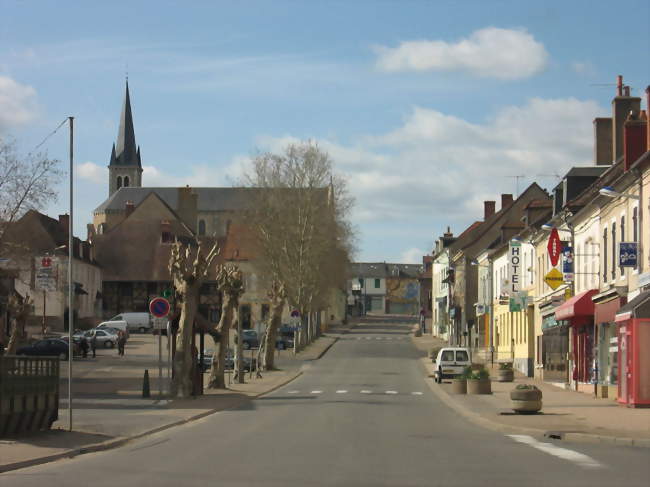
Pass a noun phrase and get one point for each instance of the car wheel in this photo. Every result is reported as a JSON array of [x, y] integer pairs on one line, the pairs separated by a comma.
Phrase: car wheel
[[245, 345], [63, 356], [108, 344], [142, 329]]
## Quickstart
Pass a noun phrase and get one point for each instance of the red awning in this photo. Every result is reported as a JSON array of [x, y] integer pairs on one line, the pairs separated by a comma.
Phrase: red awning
[[579, 306]]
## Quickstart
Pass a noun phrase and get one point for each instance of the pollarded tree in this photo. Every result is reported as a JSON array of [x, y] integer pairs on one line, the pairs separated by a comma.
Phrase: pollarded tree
[[189, 266], [19, 308], [231, 284]]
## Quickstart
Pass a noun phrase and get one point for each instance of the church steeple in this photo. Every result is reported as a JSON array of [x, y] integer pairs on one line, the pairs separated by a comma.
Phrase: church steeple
[[125, 167]]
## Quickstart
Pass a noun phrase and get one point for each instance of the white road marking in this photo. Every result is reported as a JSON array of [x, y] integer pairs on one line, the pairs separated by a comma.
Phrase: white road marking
[[366, 391], [341, 391], [557, 451], [416, 393], [391, 392], [368, 338], [316, 392], [379, 338], [293, 392], [389, 338]]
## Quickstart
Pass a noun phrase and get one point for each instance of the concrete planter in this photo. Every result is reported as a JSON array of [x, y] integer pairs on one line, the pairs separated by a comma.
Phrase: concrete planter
[[459, 386], [479, 386], [526, 401], [506, 375]]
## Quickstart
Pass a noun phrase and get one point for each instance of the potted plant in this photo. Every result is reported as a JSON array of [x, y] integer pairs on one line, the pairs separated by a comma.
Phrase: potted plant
[[505, 372], [526, 399], [459, 384], [479, 382]]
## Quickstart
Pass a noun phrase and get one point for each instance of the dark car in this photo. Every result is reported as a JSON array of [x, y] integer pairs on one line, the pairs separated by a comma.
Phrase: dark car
[[249, 339], [284, 339], [48, 347], [208, 358]]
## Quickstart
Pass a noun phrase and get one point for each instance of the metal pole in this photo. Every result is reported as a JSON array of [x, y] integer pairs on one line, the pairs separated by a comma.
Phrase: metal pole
[[70, 283], [43, 325], [491, 282], [160, 367]]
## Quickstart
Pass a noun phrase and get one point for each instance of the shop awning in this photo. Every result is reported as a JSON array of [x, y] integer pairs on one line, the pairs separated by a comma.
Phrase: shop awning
[[639, 307], [579, 306]]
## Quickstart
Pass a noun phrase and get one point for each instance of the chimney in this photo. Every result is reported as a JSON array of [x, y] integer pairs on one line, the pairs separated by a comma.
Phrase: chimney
[[129, 207], [187, 207], [64, 221], [634, 136], [602, 141], [622, 105], [448, 233], [506, 200], [488, 209]]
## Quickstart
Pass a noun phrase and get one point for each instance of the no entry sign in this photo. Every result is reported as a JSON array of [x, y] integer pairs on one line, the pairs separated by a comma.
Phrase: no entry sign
[[159, 307]]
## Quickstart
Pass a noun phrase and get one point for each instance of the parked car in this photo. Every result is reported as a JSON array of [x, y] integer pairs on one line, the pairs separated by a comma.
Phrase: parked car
[[104, 337], [52, 347], [140, 322], [208, 358], [284, 338], [250, 339], [118, 325], [450, 362]]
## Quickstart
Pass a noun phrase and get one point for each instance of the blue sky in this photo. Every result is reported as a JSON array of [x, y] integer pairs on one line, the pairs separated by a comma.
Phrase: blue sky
[[427, 108]]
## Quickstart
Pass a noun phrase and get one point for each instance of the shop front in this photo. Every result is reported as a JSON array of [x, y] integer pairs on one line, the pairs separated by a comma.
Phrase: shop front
[[606, 333], [633, 320], [579, 312], [555, 348]]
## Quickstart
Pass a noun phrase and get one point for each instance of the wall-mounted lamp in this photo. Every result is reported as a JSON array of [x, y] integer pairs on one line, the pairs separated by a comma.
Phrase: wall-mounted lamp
[[547, 227], [611, 193]]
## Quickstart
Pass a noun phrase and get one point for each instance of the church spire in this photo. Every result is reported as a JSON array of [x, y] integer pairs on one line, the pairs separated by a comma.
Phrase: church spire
[[126, 149]]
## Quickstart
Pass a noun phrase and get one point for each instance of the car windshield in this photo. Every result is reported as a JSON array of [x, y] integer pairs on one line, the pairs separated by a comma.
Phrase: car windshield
[[447, 356], [461, 356]]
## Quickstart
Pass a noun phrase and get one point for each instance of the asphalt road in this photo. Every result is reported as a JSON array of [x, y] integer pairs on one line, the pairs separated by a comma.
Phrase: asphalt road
[[360, 416]]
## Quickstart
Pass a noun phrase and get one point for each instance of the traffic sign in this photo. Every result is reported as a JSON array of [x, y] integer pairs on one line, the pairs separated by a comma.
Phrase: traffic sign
[[295, 313], [554, 247], [159, 307], [554, 278], [45, 273]]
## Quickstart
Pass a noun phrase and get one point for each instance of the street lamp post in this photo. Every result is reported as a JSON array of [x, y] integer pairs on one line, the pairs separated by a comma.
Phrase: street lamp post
[[70, 283]]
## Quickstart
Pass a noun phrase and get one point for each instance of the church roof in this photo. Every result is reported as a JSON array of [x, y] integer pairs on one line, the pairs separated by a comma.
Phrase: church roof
[[209, 199], [125, 151]]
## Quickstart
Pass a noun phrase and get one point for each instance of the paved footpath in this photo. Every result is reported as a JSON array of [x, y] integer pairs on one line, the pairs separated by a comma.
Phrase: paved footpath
[[566, 414], [109, 411]]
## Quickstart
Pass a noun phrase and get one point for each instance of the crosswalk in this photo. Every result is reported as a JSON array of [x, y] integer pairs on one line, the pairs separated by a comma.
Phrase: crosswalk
[[388, 392]]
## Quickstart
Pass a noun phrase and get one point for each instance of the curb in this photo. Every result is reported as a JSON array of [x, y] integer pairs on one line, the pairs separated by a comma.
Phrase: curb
[[326, 349], [122, 440], [502, 428]]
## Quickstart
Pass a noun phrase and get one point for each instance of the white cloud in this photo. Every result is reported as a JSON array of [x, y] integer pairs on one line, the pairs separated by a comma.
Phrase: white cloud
[[17, 103], [412, 256], [490, 52], [92, 172]]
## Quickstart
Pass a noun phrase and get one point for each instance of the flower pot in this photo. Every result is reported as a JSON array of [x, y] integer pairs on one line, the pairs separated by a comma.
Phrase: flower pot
[[506, 375], [479, 386], [526, 400], [459, 386]]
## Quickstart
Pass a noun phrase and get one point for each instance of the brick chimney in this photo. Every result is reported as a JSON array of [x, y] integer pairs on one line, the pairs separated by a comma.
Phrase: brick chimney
[[489, 209], [622, 105], [506, 200], [64, 221], [635, 138], [603, 141], [129, 208]]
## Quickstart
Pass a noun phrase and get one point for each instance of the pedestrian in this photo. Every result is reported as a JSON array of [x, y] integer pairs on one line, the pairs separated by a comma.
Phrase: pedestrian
[[93, 344], [121, 342], [422, 321], [84, 347]]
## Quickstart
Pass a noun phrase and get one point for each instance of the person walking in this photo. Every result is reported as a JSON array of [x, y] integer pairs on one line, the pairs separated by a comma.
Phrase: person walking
[[121, 342], [422, 321], [93, 344], [84, 347]]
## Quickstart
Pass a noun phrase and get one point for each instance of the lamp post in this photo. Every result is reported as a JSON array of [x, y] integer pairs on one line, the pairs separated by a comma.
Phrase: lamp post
[[490, 284], [70, 283]]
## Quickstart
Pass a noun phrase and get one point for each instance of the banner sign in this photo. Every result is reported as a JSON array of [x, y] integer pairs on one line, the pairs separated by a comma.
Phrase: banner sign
[[519, 301], [567, 262], [514, 268], [628, 254], [554, 247]]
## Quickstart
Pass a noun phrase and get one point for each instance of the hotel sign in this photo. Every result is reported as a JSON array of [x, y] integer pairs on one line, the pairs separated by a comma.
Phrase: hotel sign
[[514, 268]]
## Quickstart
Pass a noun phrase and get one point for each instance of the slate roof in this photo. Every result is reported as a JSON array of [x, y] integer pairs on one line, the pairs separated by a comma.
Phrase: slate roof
[[125, 152]]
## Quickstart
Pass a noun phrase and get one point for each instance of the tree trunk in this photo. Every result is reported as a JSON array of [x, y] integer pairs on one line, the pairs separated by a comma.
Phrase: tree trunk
[[182, 386], [239, 363], [13, 340], [271, 335], [217, 380], [19, 309]]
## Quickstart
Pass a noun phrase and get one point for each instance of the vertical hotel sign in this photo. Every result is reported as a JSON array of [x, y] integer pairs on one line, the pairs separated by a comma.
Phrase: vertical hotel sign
[[514, 272]]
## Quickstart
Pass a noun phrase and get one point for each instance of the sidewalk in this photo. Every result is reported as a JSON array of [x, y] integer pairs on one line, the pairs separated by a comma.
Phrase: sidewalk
[[106, 420], [566, 414]]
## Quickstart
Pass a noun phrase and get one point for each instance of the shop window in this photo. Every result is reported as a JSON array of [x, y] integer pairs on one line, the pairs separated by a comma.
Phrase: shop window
[[152, 288], [126, 289]]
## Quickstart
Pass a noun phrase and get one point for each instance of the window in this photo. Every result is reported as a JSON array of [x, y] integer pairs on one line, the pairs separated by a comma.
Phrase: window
[[613, 250], [635, 226], [447, 356], [461, 356], [361, 281], [377, 283], [605, 255], [152, 288], [167, 237], [119, 182], [126, 289], [126, 181], [201, 227], [622, 240]]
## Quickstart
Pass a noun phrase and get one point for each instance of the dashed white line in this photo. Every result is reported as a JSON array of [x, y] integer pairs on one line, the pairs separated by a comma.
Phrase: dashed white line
[[557, 451], [391, 392], [366, 391], [417, 393], [293, 392], [342, 391], [316, 392]]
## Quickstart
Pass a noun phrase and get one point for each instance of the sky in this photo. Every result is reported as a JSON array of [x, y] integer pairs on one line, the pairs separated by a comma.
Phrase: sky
[[427, 108]]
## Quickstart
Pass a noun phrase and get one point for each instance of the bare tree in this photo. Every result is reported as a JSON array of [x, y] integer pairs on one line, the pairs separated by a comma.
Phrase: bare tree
[[231, 284], [26, 183], [299, 217], [20, 308], [189, 266]]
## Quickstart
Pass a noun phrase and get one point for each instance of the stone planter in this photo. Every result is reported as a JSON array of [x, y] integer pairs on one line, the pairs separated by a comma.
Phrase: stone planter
[[505, 375], [526, 401], [459, 386], [479, 386]]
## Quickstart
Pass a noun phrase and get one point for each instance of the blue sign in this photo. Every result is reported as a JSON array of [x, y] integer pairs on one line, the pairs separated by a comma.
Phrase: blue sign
[[627, 254], [567, 259]]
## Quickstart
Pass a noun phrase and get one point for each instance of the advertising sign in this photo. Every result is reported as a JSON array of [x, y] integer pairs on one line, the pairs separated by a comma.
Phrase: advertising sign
[[514, 268], [628, 254], [554, 278], [567, 263], [554, 247], [519, 301]]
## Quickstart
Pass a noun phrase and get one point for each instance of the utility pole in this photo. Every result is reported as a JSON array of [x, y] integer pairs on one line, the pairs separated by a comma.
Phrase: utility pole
[[70, 283]]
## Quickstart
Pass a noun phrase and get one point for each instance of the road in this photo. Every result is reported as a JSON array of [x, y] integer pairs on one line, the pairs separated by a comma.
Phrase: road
[[362, 415]]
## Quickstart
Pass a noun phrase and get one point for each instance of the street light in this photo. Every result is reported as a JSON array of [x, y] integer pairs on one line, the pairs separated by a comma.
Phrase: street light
[[611, 193]]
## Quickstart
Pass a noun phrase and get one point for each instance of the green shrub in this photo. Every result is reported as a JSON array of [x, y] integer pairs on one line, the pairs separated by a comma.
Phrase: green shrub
[[480, 374], [467, 373]]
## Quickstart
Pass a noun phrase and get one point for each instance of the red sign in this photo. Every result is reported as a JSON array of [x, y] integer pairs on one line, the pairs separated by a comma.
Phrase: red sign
[[159, 307], [46, 262], [554, 247]]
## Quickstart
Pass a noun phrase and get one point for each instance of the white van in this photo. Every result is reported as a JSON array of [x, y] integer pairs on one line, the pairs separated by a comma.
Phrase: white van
[[135, 321], [118, 325], [450, 362]]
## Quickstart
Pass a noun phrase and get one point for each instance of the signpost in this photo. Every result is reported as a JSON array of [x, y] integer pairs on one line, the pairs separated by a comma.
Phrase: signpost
[[554, 247], [554, 279], [159, 308]]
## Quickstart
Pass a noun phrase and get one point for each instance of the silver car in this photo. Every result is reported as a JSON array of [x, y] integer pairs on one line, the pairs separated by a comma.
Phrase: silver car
[[104, 337]]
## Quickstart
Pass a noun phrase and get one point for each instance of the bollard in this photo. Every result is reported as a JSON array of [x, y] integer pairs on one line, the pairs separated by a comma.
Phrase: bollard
[[145, 384]]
